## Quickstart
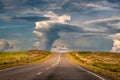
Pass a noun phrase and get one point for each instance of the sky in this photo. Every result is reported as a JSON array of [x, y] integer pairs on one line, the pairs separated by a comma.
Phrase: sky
[[86, 25]]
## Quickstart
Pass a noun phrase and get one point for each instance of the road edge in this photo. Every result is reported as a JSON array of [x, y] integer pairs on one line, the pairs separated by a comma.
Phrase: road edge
[[29, 64], [92, 72]]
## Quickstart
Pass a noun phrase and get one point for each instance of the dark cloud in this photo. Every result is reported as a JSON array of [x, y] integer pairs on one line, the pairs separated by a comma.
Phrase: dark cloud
[[52, 34], [89, 7], [114, 1], [31, 18], [36, 3], [1, 7], [110, 28], [74, 5], [18, 6], [67, 6]]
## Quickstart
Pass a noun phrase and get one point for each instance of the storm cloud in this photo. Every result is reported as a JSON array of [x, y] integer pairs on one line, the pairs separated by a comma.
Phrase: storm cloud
[[48, 31]]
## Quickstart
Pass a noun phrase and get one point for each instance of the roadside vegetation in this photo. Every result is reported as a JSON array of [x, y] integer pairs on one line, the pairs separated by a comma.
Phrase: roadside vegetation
[[11, 59], [106, 63]]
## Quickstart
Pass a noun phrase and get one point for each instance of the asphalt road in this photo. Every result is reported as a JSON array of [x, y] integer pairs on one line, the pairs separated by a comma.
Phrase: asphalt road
[[57, 67]]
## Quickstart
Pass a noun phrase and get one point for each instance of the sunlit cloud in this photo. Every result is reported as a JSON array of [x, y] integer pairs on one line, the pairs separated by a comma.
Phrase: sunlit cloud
[[102, 20], [116, 46], [51, 28]]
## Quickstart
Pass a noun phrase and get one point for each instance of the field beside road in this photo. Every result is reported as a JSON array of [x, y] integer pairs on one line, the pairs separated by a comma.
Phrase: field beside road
[[105, 63], [11, 59]]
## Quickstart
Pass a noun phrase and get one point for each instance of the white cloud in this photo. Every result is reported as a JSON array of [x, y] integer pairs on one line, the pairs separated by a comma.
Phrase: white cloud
[[103, 5], [99, 7], [95, 29], [33, 11], [54, 19], [116, 46], [114, 25], [39, 34], [36, 44], [102, 20], [60, 49], [116, 42], [115, 36]]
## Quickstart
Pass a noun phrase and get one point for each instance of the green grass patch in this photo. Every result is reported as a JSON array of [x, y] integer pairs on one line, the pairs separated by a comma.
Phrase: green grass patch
[[106, 63], [11, 59]]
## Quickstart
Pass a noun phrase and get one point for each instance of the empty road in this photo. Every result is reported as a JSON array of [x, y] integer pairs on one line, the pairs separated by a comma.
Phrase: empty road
[[57, 67]]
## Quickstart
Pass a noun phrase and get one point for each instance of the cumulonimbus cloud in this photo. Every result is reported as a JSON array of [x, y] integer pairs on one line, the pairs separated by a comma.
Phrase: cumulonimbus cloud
[[48, 31]]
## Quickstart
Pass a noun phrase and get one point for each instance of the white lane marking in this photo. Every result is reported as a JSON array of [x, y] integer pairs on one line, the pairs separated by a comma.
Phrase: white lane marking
[[58, 61], [90, 72], [39, 73], [47, 68], [86, 70]]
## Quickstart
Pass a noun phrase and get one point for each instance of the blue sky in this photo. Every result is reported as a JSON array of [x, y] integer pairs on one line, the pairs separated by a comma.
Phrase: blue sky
[[92, 25]]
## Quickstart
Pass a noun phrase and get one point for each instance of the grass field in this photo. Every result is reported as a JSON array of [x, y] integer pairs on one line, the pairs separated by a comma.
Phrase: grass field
[[11, 59], [105, 63]]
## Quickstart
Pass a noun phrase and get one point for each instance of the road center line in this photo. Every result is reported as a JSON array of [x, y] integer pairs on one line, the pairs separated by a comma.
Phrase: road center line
[[39, 73], [58, 61]]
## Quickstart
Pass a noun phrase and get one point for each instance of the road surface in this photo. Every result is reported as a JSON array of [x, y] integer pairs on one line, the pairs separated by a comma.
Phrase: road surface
[[57, 67]]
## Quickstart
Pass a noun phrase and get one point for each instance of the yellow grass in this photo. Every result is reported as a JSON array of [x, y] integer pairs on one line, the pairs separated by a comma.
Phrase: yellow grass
[[11, 59], [105, 63]]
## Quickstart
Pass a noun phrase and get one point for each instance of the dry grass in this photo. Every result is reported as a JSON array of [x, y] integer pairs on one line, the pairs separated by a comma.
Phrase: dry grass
[[106, 63], [11, 59]]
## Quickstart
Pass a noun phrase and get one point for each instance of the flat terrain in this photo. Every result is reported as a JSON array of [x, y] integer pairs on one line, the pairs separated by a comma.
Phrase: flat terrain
[[106, 63], [58, 67], [11, 59]]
